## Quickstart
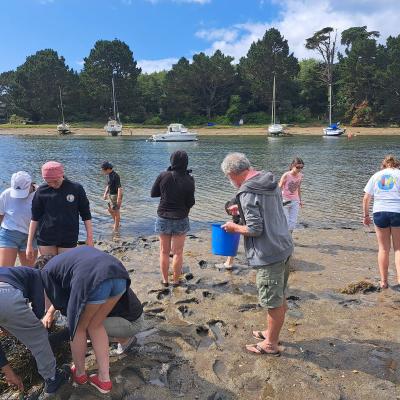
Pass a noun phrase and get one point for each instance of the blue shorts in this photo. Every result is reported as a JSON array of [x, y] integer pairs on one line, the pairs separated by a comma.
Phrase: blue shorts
[[386, 219], [14, 240], [106, 289], [165, 226]]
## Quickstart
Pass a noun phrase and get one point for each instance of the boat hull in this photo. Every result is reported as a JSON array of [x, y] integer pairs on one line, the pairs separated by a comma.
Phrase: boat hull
[[113, 130], [182, 137], [63, 129], [275, 129], [334, 132]]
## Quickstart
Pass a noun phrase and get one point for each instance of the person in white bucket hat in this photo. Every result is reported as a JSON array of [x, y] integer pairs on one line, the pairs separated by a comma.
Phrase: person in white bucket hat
[[15, 215]]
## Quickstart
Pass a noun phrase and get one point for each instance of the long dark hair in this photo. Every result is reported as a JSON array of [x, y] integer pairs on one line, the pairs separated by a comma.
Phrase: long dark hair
[[296, 161]]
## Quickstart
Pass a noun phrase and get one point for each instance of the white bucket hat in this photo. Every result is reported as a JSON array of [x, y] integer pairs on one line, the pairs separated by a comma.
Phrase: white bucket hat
[[20, 185]]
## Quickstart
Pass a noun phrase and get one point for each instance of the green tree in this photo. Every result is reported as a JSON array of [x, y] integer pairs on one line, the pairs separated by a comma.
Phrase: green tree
[[212, 80], [178, 102], [267, 57], [358, 69], [312, 89], [110, 59], [151, 93], [35, 86]]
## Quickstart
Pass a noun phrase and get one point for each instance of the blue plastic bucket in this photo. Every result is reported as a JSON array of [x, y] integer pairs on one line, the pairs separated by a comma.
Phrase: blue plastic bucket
[[224, 243]]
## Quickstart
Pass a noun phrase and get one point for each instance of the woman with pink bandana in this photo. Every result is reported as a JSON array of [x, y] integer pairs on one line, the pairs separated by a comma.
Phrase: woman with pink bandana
[[56, 208]]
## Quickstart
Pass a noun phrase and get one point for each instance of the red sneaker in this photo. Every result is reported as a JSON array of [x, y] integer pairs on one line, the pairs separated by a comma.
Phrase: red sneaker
[[103, 387], [80, 380]]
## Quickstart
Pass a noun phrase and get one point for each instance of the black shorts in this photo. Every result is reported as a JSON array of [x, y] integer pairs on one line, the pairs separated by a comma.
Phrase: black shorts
[[62, 244]]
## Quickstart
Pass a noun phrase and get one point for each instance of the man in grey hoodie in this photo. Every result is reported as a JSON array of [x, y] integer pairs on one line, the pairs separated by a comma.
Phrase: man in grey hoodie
[[268, 243]]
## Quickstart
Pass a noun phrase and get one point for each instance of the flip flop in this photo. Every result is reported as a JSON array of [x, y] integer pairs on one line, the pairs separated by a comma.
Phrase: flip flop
[[260, 351], [165, 284], [259, 335]]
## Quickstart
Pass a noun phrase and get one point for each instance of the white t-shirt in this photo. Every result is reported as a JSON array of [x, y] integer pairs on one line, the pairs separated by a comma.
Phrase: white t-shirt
[[385, 187], [17, 212]]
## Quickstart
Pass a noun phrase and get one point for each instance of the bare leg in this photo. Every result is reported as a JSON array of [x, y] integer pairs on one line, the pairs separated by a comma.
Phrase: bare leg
[[117, 219], [61, 250], [8, 256], [24, 261], [165, 248], [99, 338], [383, 236], [178, 241], [229, 262], [396, 246], [48, 250]]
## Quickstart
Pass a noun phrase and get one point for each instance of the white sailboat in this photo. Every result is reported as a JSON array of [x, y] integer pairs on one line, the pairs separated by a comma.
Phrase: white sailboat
[[332, 129], [62, 128], [274, 129], [114, 126]]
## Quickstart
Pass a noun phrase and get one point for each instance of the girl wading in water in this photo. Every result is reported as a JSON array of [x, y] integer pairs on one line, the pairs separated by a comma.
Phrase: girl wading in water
[[175, 187], [290, 184], [384, 188], [15, 215], [56, 208]]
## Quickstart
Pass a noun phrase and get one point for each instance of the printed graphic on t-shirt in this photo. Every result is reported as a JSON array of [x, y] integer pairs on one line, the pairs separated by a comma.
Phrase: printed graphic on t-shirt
[[293, 186], [386, 182], [70, 198]]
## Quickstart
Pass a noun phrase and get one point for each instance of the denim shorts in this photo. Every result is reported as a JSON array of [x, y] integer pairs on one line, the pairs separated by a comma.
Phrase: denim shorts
[[106, 289], [166, 226], [14, 239], [387, 219]]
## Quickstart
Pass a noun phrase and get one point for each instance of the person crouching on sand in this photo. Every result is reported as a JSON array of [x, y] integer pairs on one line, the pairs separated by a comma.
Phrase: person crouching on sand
[[267, 242], [56, 208], [85, 284]]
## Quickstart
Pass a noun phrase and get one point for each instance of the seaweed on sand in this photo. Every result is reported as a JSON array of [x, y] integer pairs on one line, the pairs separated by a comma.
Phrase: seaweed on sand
[[22, 361], [359, 287]]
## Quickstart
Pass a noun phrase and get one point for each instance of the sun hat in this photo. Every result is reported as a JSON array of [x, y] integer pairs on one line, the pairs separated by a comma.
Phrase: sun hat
[[20, 185], [52, 170]]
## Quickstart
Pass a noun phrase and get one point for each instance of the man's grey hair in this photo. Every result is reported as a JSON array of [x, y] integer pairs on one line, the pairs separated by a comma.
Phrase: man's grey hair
[[235, 163]]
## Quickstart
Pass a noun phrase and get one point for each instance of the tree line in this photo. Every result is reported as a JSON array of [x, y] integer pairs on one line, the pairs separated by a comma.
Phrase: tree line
[[365, 79]]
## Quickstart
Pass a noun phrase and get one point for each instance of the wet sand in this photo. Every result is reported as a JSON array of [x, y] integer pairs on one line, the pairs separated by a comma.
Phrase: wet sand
[[204, 131], [338, 346]]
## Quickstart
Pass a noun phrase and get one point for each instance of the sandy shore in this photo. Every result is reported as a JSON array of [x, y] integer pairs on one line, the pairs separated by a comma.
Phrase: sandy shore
[[209, 131], [338, 346]]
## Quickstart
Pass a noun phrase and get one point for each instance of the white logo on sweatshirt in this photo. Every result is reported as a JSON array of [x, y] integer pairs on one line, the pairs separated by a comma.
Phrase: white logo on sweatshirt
[[70, 198]]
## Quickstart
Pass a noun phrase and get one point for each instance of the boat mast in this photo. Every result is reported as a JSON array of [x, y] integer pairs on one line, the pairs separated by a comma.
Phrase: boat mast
[[273, 103], [113, 93], [330, 103], [62, 107]]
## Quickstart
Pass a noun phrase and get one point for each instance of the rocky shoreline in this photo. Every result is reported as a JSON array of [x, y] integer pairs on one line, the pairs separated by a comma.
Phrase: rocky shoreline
[[338, 346]]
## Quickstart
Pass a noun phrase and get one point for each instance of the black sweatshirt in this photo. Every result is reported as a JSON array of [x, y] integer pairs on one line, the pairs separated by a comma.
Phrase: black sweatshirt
[[58, 210], [29, 282], [175, 187], [69, 278]]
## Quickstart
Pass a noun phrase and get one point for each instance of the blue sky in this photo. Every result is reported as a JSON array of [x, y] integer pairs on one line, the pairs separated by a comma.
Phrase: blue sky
[[160, 31]]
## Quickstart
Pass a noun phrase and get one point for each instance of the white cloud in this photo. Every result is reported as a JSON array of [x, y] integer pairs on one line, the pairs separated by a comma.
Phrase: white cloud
[[299, 19], [149, 66]]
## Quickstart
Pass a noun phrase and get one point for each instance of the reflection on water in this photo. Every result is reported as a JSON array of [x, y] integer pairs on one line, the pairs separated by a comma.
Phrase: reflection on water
[[336, 170]]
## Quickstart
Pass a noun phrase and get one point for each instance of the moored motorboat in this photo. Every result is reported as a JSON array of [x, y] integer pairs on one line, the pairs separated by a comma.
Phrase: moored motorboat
[[175, 133]]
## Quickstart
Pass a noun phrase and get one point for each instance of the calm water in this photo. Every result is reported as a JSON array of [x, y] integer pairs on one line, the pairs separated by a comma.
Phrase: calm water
[[336, 170]]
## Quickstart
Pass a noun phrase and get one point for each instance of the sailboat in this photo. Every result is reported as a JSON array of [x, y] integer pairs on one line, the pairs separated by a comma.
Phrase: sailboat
[[274, 129], [114, 126], [62, 128], [333, 129]]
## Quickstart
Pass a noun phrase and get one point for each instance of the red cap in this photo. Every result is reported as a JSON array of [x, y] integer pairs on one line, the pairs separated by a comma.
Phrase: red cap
[[52, 170]]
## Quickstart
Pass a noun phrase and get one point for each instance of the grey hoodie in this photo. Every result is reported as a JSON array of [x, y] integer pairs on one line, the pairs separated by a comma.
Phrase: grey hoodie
[[260, 207]]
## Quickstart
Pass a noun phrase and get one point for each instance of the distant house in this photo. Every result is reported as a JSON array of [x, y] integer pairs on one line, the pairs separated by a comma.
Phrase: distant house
[[3, 112]]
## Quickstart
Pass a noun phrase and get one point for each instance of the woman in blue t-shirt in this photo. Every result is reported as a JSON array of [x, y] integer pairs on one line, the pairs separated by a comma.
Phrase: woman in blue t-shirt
[[384, 188]]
